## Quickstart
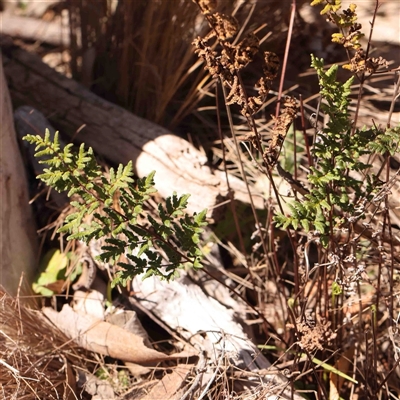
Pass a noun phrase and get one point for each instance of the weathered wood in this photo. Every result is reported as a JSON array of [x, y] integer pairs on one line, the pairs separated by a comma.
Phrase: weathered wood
[[116, 133], [210, 326], [213, 328], [18, 247], [54, 33], [29, 121]]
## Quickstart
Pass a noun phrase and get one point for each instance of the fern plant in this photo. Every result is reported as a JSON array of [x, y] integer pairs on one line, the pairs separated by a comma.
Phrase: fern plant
[[111, 208], [335, 194]]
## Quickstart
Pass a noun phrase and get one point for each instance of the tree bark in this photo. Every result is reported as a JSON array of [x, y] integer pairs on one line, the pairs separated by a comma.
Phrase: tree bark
[[18, 241], [116, 133]]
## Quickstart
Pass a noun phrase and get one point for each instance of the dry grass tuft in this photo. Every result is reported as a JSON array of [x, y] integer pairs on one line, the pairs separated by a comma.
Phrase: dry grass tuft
[[35, 358], [140, 54]]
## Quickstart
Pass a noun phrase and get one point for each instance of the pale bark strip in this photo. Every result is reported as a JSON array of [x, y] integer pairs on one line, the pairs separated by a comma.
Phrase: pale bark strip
[[210, 326], [18, 241], [54, 33]]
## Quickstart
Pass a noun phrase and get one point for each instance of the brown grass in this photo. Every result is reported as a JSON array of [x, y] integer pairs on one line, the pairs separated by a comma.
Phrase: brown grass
[[144, 55], [36, 360]]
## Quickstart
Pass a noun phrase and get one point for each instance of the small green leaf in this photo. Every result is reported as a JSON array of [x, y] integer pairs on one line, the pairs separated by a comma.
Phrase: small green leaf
[[336, 289], [328, 368], [53, 267], [320, 226], [325, 204], [305, 224]]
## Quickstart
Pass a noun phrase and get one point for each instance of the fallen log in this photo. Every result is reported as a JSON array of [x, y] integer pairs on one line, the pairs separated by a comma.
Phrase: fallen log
[[116, 133]]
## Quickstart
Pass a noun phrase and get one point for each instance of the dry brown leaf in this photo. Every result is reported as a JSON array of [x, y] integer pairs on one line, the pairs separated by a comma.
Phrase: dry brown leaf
[[99, 389], [104, 338], [168, 386], [70, 390], [336, 381]]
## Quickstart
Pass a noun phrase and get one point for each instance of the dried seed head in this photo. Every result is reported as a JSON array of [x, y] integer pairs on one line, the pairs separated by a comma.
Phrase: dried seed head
[[206, 6], [360, 63], [313, 336], [224, 26], [236, 95], [245, 51], [282, 124], [271, 65], [209, 56], [232, 58]]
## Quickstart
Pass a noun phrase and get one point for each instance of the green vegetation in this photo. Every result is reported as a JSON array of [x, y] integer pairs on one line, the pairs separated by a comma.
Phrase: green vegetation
[[111, 208], [335, 195]]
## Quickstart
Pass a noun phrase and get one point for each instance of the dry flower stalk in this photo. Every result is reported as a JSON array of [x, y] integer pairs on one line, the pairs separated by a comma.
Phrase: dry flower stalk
[[225, 60], [360, 63], [282, 124], [231, 58]]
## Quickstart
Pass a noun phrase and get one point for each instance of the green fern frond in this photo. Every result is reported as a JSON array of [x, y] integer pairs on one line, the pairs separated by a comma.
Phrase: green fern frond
[[113, 205]]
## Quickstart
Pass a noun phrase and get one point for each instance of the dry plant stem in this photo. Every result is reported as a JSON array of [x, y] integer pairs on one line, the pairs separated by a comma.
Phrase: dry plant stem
[[258, 224], [221, 358], [392, 256], [193, 96], [303, 128], [271, 244], [363, 77], [360, 324], [285, 57], [298, 335], [245, 23], [73, 24], [380, 267], [268, 326], [354, 371], [295, 241], [244, 177], [21, 326], [232, 203], [289, 234], [295, 152], [367, 376], [396, 364], [396, 94], [201, 366], [377, 4], [374, 324], [278, 282], [391, 276]]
